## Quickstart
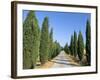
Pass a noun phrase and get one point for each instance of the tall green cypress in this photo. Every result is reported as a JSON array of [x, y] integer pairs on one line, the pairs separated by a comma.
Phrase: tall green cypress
[[80, 46], [75, 44], [88, 42], [72, 45], [30, 41], [53, 50], [66, 48], [50, 44], [56, 49], [35, 41], [44, 48]]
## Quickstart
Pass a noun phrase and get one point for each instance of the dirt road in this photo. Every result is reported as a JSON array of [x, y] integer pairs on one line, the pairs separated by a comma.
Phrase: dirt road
[[63, 60]]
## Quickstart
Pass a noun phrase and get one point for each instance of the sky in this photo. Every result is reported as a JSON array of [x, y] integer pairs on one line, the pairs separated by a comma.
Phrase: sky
[[63, 23]]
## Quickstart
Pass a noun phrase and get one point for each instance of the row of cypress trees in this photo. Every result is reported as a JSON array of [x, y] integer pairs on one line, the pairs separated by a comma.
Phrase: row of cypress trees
[[78, 49], [37, 44]]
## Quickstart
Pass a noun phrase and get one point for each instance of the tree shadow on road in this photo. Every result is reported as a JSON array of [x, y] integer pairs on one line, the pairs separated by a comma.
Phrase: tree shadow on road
[[64, 63]]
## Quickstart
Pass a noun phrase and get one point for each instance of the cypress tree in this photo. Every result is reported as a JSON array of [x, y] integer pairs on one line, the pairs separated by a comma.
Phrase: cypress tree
[[53, 50], [30, 41], [66, 48], [75, 44], [56, 49], [36, 41], [44, 48], [88, 42], [80, 46], [50, 44], [72, 45]]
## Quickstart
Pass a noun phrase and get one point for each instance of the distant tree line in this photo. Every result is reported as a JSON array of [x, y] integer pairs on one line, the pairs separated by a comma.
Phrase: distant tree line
[[38, 43], [78, 49]]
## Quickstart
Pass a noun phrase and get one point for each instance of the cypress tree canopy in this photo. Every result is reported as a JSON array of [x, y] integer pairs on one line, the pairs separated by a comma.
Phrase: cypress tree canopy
[[88, 42], [80, 46], [30, 40], [66, 48], [72, 45], [50, 44], [44, 48], [75, 44]]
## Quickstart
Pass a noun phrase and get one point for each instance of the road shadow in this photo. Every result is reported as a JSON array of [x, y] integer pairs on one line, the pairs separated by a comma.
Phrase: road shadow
[[64, 63], [62, 60]]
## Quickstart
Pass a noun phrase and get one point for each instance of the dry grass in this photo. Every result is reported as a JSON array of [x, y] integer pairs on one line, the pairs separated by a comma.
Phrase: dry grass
[[73, 60], [47, 65]]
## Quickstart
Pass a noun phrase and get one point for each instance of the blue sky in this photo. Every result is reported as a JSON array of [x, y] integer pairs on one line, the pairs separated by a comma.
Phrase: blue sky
[[63, 23]]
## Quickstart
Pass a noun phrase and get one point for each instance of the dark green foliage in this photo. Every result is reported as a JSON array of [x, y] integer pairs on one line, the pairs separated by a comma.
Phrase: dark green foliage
[[44, 42], [36, 41], [30, 41], [80, 46], [50, 44], [66, 48], [56, 49], [62, 48], [88, 42], [72, 45], [75, 44]]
